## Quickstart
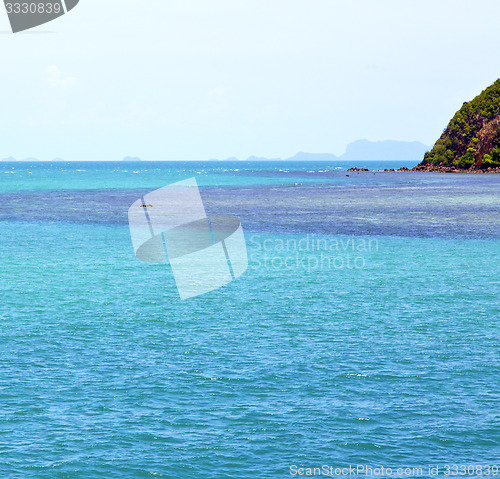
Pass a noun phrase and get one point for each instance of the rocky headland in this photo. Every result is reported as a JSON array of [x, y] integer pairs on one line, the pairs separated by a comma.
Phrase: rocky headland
[[471, 141]]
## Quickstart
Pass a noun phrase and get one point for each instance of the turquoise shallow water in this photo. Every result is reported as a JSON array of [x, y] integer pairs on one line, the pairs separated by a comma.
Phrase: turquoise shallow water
[[154, 174], [393, 361]]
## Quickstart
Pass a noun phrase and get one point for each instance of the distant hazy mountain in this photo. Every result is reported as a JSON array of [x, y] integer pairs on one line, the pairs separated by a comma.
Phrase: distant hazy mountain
[[10, 158], [361, 150], [131, 158], [261, 158], [301, 156], [385, 150]]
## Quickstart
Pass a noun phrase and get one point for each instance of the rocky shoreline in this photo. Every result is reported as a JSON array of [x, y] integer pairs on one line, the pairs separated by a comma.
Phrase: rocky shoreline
[[450, 169]]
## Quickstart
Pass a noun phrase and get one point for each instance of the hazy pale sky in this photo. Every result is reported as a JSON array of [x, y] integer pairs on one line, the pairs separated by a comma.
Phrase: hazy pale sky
[[217, 78]]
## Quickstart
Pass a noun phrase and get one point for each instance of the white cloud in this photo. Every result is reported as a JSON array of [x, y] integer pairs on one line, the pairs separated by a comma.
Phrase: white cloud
[[55, 82]]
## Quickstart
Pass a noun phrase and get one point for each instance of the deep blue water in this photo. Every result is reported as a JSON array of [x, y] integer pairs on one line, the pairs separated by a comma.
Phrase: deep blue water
[[380, 348]]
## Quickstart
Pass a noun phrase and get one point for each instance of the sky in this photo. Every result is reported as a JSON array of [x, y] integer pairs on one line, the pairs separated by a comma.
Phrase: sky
[[199, 79]]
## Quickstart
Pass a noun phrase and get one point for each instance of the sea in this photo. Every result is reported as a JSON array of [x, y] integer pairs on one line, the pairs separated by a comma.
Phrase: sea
[[362, 340]]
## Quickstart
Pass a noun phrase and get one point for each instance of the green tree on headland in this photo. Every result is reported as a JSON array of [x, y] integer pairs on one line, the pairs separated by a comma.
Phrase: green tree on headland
[[472, 138]]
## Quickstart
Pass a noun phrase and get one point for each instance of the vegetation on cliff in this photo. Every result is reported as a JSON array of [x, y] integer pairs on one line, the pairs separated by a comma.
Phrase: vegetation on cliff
[[472, 138]]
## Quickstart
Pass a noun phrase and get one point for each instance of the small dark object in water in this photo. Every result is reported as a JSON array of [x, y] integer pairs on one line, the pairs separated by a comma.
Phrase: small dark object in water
[[146, 206]]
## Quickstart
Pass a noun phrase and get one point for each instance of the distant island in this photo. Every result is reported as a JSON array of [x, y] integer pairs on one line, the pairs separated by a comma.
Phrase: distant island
[[27, 160], [471, 141], [301, 156], [360, 150], [261, 158], [388, 150]]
